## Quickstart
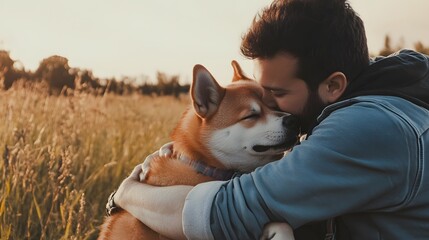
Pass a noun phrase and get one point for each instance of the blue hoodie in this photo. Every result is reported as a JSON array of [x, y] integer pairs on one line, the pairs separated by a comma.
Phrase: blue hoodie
[[365, 163]]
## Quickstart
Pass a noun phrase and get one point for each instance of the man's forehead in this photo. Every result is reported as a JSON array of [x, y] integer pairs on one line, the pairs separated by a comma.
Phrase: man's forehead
[[280, 66]]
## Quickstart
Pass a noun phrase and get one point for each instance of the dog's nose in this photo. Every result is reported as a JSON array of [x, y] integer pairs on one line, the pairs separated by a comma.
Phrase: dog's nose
[[290, 122]]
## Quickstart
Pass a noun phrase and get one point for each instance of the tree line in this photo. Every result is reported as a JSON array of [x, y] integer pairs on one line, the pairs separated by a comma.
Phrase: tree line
[[388, 47], [55, 76]]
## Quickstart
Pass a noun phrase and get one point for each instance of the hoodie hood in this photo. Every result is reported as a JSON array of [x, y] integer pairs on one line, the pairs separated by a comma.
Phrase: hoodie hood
[[403, 74]]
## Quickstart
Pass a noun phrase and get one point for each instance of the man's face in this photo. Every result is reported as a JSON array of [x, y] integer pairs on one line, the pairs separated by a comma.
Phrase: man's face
[[284, 91]]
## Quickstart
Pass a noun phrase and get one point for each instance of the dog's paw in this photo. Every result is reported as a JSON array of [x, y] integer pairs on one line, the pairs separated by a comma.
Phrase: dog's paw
[[146, 166]]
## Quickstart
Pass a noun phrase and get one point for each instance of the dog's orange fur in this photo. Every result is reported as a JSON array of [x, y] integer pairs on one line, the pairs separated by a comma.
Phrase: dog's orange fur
[[188, 140]]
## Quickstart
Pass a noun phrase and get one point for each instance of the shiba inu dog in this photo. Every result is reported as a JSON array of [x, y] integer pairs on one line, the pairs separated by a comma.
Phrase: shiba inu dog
[[225, 131]]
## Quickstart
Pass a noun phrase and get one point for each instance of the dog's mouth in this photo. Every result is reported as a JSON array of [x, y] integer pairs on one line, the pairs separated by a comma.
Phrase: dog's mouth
[[278, 147], [264, 148]]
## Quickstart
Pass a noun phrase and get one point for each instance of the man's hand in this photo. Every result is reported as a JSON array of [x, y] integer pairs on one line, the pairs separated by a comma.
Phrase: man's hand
[[128, 182], [165, 150], [277, 231], [112, 202], [152, 205]]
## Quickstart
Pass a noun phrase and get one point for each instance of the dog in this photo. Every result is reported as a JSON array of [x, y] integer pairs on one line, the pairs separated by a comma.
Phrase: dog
[[225, 130]]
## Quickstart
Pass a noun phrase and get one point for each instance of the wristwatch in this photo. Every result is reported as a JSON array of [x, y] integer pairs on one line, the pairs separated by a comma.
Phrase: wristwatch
[[111, 207]]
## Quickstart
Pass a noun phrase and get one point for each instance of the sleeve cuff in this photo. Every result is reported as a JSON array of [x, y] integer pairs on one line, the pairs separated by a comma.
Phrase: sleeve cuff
[[196, 211]]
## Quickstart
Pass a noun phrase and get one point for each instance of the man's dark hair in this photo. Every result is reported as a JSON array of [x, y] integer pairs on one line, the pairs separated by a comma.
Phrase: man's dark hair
[[325, 35]]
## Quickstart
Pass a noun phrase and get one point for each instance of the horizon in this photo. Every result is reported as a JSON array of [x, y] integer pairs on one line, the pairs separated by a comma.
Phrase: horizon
[[136, 39]]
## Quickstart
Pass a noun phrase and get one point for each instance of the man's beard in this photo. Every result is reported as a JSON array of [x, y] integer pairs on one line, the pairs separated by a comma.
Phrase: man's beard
[[312, 110]]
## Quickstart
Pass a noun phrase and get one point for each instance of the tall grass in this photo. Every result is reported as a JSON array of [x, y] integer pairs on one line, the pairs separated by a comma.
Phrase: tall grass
[[62, 156]]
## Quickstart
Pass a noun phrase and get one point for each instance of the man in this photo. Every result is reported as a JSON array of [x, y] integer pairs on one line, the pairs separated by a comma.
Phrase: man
[[365, 161]]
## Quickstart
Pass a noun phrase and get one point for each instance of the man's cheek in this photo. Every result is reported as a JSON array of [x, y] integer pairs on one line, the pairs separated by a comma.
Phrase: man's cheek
[[290, 106]]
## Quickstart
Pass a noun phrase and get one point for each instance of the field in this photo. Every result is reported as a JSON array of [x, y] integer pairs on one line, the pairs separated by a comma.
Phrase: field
[[62, 156]]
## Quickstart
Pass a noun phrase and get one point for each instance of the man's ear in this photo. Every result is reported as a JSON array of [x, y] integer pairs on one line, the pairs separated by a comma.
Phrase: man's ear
[[238, 72], [331, 89], [206, 93]]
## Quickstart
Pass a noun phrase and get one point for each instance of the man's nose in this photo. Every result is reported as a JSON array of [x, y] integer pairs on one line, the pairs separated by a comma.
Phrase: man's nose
[[269, 100]]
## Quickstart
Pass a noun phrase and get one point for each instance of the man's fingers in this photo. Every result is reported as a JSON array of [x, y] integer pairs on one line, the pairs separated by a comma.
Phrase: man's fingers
[[277, 231], [146, 163], [145, 166], [166, 149], [136, 172]]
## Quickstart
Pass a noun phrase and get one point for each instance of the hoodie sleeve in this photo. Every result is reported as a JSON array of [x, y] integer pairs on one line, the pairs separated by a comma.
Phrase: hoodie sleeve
[[353, 161]]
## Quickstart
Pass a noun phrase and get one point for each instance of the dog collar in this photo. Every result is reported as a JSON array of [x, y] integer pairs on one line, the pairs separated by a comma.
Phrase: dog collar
[[206, 170]]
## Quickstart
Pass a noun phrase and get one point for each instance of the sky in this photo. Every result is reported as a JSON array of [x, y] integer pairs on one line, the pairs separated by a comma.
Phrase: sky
[[137, 38]]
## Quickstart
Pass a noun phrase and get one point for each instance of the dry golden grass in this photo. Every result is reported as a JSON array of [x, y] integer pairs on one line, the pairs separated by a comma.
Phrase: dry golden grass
[[62, 156]]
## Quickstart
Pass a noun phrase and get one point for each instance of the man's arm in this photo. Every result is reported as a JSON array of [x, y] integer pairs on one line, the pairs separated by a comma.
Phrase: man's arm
[[298, 189], [160, 208]]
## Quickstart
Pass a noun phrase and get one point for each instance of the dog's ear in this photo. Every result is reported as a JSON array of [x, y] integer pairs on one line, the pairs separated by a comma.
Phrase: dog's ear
[[206, 93], [238, 72]]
